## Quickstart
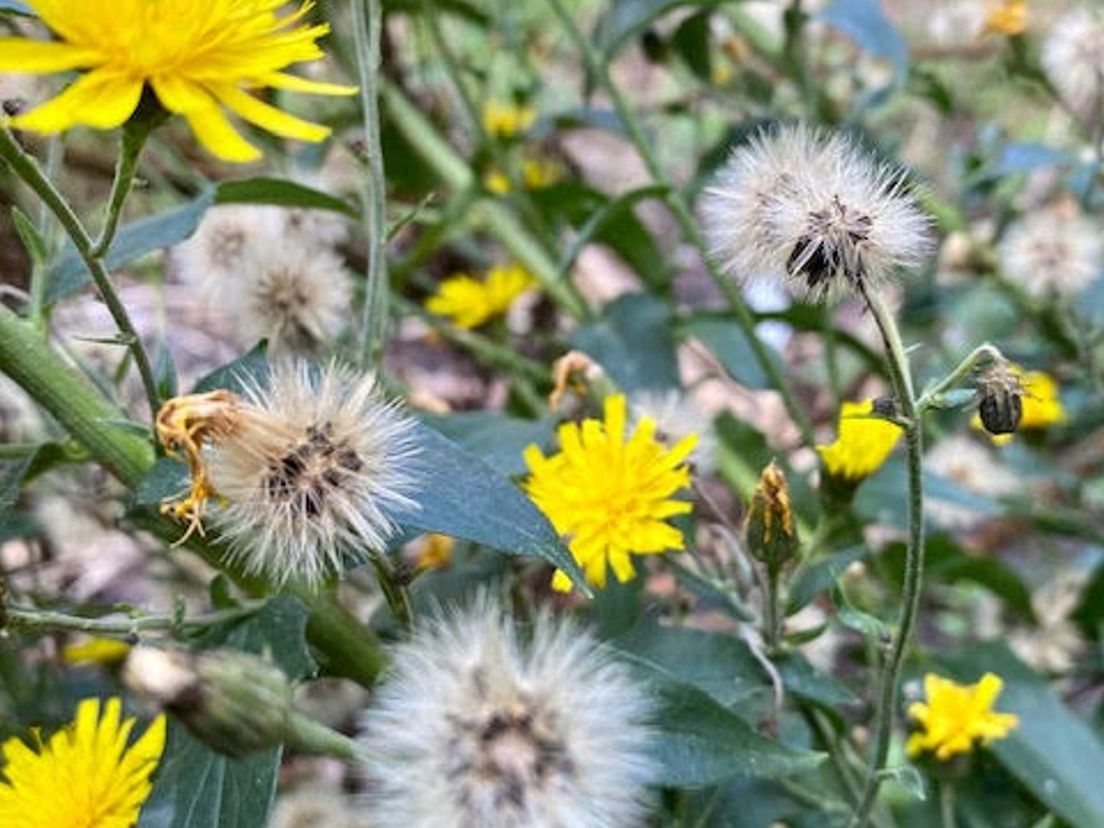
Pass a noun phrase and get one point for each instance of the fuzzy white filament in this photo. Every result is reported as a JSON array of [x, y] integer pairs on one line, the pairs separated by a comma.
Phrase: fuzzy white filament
[[814, 212], [310, 473], [478, 727], [1055, 252]]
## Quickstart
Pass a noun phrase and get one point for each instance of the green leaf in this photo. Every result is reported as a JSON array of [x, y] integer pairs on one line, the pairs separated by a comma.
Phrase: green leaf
[[730, 345], [1053, 753], [32, 240], [68, 273], [691, 41], [805, 681], [18, 472], [819, 576], [865, 22], [496, 439], [279, 192], [249, 369], [164, 372], [459, 495], [633, 343], [627, 17], [701, 742], [196, 786]]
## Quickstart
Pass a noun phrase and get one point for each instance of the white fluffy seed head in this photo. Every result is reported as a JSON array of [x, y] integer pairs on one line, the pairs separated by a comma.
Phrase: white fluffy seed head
[[677, 415], [297, 297], [813, 212], [1053, 252], [1073, 59], [224, 247], [311, 472], [477, 726]]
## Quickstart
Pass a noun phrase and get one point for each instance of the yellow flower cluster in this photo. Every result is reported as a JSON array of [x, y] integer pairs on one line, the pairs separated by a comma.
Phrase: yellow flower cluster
[[864, 443], [536, 173], [470, 302], [955, 716], [197, 56], [611, 496], [506, 120], [85, 776]]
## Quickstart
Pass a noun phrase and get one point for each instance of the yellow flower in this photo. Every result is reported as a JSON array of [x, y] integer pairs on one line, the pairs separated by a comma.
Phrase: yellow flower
[[505, 120], [1042, 407], [95, 651], [536, 173], [611, 496], [470, 302], [497, 182], [863, 445], [957, 715], [1010, 18], [198, 56], [433, 551], [85, 776]]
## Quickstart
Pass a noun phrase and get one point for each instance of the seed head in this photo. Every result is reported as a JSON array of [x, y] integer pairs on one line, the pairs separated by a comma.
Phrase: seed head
[[479, 727], [1073, 59], [224, 248], [305, 471], [1052, 253], [814, 212]]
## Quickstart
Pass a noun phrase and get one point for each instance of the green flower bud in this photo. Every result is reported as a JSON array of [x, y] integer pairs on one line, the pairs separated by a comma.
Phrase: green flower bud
[[769, 529]]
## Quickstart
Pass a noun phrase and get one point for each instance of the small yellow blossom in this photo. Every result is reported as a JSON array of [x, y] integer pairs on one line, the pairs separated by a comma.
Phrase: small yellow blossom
[[956, 715], [470, 302], [198, 57], [85, 776], [536, 174], [433, 551], [1042, 406], [1009, 18], [505, 120], [95, 651], [863, 445], [611, 497], [497, 182]]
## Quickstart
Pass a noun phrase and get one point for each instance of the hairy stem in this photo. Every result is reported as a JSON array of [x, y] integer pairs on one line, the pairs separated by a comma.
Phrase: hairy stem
[[890, 678], [134, 138], [676, 202], [30, 618], [27, 169], [930, 397]]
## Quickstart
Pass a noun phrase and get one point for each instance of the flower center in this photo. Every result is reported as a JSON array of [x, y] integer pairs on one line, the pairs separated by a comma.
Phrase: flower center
[[831, 245], [313, 469]]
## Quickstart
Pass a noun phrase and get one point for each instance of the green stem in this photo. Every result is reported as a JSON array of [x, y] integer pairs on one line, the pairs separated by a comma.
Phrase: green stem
[[773, 632], [308, 736], [134, 138], [28, 618], [27, 169], [947, 804], [675, 201], [890, 679], [367, 23], [931, 397], [440, 43]]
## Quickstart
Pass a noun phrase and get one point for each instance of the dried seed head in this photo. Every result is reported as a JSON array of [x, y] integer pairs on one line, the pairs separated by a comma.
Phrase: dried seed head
[[1053, 252], [306, 471], [478, 728], [814, 212], [1000, 399]]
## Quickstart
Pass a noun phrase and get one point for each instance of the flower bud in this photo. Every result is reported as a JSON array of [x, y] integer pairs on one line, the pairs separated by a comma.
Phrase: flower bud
[[771, 535], [1000, 400], [235, 702]]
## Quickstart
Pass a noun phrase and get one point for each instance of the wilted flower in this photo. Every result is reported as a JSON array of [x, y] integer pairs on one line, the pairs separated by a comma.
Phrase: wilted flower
[[470, 302], [813, 211], [676, 416], [197, 56], [297, 297], [1000, 399], [88, 774], [769, 527], [478, 726], [506, 120], [1072, 55], [971, 466], [956, 716], [864, 443], [305, 471], [1055, 252], [1042, 406], [611, 496]]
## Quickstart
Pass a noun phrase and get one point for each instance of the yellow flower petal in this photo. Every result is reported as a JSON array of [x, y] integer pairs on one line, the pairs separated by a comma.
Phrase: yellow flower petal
[[98, 99], [863, 445], [20, 55], [269, 117], [294, 83], [956, 716], [219, 137]]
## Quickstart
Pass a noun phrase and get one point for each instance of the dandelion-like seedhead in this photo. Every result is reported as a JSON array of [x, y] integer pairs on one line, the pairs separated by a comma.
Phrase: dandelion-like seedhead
[[478, 727], [296, 296], [1073, 59], [305, 471], [224, 247], [814, 212], [1056, 252], [676, 415]]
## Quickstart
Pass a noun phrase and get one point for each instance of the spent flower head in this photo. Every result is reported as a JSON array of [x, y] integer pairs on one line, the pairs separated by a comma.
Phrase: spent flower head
[[480, 726], [812, 211], [199, 57], [305, 471], [956, 716], [1073, 59], [470, 302], [1040, 402], [611, 496], [1052, 253], [89, 774]]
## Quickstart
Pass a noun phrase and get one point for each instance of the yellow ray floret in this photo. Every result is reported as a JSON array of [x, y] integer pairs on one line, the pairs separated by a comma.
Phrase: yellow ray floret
[[956, 716], [470, 302], [611, 496], [200, 57], [864, 443], [88, 775]]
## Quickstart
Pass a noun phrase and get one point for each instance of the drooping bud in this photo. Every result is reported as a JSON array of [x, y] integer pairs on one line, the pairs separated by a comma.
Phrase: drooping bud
[[770, 531], [1000, 399], [235, 702]]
